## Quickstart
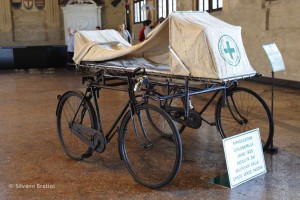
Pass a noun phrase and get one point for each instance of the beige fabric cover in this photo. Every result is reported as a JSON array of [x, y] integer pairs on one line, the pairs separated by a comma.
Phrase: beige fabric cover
[[191, 43]]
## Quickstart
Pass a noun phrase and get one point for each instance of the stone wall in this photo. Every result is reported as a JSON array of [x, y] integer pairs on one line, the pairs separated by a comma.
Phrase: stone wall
[[262, 22], [112, 16], [28, 27], [265, 22], [22, 27], [5, 22]]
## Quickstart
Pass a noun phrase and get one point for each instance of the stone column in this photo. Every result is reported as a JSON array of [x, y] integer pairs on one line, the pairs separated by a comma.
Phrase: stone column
[[6, 30], [53, 27], [53, 13]]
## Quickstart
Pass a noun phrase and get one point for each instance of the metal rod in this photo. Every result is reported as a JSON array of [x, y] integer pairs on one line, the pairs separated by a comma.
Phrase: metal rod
[[272, 106], [109, 135], [97, 108], [186, 99], [190, 93], [209, 102]]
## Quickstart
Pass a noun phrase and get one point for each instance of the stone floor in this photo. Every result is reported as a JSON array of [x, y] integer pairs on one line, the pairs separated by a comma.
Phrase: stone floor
[[31, 155]]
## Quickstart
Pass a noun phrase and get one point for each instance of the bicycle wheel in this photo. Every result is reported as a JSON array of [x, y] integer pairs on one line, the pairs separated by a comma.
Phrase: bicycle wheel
[[175, 108], [152, 159], [177, 113], [244, 110], [66, 110]]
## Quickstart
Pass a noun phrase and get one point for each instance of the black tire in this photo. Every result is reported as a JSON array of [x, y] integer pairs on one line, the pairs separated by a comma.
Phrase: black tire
[[244, 110], [165, 104], [157, 122], [67, 107], [179, 103], [152, 159]]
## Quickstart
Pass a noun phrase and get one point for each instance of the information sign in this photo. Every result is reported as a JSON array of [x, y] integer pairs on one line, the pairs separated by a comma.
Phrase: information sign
[[244, 157], [274, 56]]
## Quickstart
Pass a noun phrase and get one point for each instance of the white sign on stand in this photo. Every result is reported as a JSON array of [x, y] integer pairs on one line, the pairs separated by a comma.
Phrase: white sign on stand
[[274, 56], [244, 157]]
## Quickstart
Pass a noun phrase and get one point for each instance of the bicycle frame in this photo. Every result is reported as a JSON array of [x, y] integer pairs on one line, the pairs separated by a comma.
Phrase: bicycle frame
[[191, 91], [92, 92], [138, 133]]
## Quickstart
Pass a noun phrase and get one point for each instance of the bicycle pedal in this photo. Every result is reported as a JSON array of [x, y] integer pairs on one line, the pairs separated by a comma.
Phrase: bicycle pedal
[[86, 155], [194, 120], [99, 143]]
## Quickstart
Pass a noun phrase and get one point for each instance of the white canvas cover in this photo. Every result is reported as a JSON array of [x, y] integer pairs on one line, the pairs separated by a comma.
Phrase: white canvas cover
[[191, 43]]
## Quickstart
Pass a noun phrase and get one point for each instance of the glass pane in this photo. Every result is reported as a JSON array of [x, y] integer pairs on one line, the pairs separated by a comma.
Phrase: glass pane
[[220, 3], [159, 8], [137, 12], [174, 5], [164, 8], [201, 5], [215, 4], [135, 17], [143, 15], [206, 2]]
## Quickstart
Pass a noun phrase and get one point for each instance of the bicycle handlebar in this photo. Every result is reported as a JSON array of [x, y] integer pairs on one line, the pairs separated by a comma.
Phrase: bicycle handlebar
[[139, 69]]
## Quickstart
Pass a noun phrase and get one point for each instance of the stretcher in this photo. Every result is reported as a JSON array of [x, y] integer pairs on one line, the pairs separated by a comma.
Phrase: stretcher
[[190, 53]]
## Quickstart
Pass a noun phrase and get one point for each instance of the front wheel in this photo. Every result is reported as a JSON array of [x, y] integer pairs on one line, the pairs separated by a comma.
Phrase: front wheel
[[152, 159], [244, 110]]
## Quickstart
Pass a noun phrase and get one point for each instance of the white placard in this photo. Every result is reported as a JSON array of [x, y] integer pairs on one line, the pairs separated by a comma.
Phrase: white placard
[[274, 56], [244, 157]]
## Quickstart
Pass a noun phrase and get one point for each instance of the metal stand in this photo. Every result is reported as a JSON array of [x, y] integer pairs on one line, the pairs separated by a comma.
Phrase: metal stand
[[222, 180], [272, 149]]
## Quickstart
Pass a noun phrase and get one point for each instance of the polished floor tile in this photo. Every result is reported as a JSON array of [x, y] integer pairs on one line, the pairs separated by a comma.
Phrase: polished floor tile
[[33, 164]]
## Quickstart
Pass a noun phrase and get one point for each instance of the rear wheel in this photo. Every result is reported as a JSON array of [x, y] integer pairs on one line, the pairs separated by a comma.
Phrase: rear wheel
[[175, 108], [244, 110], [66, 110], [152, 159]]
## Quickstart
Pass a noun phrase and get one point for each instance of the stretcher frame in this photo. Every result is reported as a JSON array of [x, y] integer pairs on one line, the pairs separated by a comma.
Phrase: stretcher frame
[[141, 84], [148, 80], [191, 85]]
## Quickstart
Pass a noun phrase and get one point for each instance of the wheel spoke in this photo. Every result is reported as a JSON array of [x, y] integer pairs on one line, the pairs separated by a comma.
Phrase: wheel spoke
[[245, 111]]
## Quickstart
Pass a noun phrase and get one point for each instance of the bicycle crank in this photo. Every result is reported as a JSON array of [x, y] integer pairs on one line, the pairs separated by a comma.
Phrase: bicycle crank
[[99, 142], [93, 138], [194, 119]]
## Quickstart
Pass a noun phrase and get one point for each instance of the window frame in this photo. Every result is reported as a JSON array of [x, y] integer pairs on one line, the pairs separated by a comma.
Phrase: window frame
[[167, 8], [210, 6], [141, 19]]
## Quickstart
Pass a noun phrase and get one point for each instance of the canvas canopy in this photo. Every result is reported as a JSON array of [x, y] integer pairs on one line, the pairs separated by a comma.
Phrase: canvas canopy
[[190, 43]]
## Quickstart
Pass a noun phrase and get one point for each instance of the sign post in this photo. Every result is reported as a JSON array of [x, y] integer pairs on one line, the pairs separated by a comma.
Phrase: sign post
[[244, 159], [277, 64]]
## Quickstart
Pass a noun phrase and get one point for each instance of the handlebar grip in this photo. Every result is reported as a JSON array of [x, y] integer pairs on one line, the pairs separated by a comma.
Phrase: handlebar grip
[[137, 69]]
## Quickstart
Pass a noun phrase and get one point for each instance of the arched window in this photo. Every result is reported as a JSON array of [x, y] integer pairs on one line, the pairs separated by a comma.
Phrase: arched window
[[165, 7], [209, 5]]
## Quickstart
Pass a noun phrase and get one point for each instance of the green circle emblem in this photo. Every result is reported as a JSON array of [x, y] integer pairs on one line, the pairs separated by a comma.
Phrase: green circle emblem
[[229, 50]]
